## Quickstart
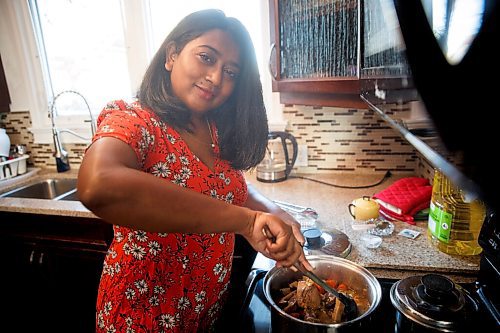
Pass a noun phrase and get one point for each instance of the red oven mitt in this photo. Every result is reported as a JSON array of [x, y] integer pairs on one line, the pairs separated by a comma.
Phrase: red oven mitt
[[405, 198]]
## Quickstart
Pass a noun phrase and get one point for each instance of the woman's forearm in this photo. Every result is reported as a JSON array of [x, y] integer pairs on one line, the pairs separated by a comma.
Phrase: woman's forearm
[[148, 203], [119, 193], [111, 184], [258, 201]]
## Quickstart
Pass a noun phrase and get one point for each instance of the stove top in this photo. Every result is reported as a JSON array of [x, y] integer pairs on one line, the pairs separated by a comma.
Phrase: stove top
[[256, 312], [255, 315]]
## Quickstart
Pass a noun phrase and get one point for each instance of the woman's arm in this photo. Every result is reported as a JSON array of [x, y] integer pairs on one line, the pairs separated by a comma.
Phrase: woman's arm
[[111, 185], [257, 201]]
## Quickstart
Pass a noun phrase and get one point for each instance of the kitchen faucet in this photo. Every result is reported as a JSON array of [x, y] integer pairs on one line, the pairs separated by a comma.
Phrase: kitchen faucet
[[61, 155]]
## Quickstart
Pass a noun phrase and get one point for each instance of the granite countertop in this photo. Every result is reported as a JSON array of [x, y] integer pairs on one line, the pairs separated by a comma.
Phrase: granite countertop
[[41, 206], [397, 257]]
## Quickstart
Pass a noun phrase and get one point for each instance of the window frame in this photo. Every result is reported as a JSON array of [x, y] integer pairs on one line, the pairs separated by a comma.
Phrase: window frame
[[26, 78]]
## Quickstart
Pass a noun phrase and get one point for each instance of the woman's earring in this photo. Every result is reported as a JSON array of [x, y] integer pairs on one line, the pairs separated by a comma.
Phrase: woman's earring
[[170, 55], [169, 63], [168, 67]]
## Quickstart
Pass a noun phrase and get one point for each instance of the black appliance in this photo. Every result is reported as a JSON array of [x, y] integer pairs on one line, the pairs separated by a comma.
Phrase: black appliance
[[255, 316], [447, 99]]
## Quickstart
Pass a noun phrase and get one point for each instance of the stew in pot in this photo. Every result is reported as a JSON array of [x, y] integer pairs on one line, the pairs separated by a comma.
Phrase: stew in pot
[[305, 300]]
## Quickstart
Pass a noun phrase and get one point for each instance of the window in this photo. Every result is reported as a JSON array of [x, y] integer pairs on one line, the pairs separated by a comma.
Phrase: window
[[82, 48], [102, 48], [164, 18]]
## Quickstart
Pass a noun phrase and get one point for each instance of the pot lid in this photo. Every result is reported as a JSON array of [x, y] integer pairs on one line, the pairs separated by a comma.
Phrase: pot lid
[[432, 300], [331, 242]]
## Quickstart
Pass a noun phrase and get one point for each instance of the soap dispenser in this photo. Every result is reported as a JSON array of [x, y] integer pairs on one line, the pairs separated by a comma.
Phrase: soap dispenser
[[4, 145]]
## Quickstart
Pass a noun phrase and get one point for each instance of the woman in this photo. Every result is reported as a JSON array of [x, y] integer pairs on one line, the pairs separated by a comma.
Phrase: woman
[[166, 171]]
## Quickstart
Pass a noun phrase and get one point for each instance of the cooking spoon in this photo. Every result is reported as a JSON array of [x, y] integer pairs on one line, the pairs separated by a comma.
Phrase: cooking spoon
[[350, 307]]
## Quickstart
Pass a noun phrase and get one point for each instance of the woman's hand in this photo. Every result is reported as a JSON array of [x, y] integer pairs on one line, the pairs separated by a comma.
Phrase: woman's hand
[[293, 223], [276, 239]]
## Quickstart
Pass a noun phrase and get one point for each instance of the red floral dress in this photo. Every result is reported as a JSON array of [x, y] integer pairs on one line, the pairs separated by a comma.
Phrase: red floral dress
[[165, 282]]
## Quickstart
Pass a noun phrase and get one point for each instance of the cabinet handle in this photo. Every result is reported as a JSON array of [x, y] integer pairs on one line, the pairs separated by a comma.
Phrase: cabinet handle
[[40, 259], [32, 256], [274, 75]]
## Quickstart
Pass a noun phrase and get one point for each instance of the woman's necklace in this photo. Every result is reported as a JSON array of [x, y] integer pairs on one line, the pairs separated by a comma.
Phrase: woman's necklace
[[211, 144]]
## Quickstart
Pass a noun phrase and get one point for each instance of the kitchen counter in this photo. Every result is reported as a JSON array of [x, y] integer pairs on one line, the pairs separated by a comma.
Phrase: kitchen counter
[[40, 206], [396, 258]]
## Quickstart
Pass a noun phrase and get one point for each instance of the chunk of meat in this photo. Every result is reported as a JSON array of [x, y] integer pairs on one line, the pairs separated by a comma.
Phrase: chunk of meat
[[338, 311], [289, 301], [308, 295], [287, 296]]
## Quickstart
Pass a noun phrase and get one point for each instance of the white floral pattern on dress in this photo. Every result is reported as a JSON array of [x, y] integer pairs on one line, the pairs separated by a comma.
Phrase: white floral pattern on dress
[[165, 282]]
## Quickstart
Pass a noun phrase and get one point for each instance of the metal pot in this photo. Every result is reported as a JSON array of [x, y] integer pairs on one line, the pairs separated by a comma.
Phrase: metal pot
[[326, 267], [432, 303]]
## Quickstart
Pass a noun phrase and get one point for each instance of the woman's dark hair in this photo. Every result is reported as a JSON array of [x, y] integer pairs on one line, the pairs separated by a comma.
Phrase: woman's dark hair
[[241, 121]]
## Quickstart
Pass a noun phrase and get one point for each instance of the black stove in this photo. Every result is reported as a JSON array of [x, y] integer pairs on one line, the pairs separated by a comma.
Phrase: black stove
[[255, 315]]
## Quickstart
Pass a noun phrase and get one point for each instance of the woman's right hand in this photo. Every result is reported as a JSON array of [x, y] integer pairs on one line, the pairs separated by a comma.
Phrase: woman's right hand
[[275, 238]]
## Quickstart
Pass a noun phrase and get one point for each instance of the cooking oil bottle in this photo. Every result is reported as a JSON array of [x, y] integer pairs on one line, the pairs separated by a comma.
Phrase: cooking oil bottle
[[454, 221]]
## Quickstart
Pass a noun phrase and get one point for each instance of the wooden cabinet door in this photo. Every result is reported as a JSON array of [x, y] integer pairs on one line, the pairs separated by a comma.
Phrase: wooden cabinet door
[[50, 289], [314, 57], [51, 269]]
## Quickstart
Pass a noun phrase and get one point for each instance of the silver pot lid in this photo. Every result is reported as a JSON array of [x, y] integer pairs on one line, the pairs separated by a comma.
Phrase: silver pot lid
[[433, 301], [331, 242]]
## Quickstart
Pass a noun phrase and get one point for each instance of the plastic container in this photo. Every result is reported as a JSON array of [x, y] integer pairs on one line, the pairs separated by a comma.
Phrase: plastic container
[[454, 222], [14, 167]]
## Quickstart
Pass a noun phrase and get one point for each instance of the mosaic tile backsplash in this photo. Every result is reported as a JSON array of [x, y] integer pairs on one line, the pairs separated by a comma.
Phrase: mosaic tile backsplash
[[17, 125], [349, 140], [337, 139]]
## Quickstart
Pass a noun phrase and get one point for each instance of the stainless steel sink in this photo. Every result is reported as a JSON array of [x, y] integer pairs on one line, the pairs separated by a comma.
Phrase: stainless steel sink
[[51, 188], [70, 196]]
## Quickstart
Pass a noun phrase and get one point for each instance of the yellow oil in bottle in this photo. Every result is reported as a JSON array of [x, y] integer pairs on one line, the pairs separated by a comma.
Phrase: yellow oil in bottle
[[454, 223]]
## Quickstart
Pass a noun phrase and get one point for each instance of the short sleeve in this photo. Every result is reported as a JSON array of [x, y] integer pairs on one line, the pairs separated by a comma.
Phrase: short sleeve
[[128, 123]]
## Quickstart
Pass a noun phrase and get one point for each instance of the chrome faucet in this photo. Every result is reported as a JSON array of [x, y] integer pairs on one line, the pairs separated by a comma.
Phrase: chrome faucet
[[61, 155]]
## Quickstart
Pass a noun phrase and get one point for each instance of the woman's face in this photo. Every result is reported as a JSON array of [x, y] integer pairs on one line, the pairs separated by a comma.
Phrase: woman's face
[[204, 73]]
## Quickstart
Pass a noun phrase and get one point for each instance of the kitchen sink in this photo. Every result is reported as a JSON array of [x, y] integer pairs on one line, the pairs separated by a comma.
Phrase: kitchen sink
[[70, 196], [51, 189]]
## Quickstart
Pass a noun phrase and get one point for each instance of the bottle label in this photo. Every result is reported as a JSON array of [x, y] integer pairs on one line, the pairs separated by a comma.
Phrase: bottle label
[[439, 223]]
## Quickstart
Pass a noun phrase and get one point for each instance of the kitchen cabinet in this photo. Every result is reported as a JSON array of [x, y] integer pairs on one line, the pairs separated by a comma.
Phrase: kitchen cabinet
[[52, 266], [314, 52], [51, 270], [4, 91]]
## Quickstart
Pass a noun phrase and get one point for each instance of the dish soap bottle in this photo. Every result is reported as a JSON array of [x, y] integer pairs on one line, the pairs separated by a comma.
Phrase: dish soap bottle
[[454, 221], [4, 144]]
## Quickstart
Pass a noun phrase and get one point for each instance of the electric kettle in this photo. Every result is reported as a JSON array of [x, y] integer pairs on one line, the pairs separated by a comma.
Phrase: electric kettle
[[277, 164]]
